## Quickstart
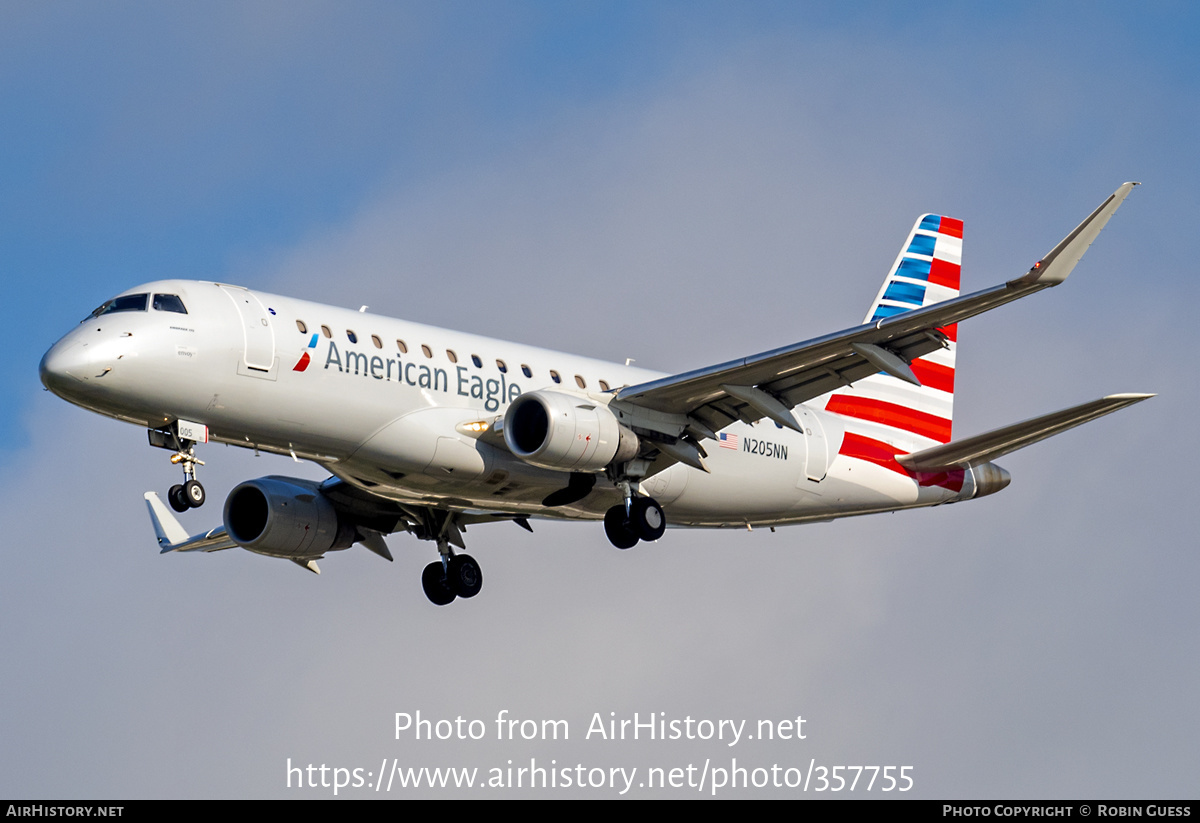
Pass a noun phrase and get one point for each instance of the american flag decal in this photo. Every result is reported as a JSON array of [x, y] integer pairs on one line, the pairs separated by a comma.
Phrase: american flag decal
[[728, 441]]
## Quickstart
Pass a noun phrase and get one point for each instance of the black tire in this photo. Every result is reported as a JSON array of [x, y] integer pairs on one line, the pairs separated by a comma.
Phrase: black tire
[[618, 529], [433, 580], [464, 575], [177, 498], [193, 493], [647, 519]]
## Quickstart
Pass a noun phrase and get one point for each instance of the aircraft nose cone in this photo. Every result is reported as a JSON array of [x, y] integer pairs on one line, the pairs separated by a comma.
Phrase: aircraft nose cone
[[64, 367]]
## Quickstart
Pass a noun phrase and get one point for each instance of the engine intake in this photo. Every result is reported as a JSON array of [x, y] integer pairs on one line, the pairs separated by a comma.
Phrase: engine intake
[[564, 432], [284, 517]]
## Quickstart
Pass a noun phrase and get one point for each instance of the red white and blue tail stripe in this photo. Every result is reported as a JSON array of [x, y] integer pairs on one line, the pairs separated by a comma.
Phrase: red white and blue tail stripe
[[926, 271], [890, 416]]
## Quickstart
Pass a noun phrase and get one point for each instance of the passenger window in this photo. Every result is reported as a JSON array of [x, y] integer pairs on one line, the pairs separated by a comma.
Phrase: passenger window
[[303, 328], [378, 343], [453, 357], [500, 365], [579, 382], [554, 376], [604, 386], [351, 336], [525, 370], [478, 363], [169, 302], [402, 346], [428, 351], [325, 331]]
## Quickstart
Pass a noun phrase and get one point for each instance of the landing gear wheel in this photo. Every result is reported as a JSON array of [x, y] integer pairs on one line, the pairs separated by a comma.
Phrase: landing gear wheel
[[193, 492], [617, 527], [646, 518], [464, 576], [178, 499], [433, 580]]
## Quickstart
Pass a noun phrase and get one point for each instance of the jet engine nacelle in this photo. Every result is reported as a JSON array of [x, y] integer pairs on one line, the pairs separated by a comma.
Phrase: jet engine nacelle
[[566, 432], [284, 517]]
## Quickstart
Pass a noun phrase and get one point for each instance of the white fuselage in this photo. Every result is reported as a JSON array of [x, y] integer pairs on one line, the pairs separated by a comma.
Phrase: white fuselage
[[381, 404]]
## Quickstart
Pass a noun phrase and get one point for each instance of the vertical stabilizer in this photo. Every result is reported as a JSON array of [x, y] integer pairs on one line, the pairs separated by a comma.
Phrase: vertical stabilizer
[[884, 408]]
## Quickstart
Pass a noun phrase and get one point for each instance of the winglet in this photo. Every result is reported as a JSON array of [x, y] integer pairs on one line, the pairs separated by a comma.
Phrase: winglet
[[1055, 266], [166, 527]]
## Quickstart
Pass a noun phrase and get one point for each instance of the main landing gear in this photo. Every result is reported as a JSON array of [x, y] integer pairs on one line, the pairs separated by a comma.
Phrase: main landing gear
[[638, 518], [453, 576]]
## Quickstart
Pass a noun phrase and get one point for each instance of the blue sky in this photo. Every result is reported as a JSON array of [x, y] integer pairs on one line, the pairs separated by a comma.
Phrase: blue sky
[[678, 182]]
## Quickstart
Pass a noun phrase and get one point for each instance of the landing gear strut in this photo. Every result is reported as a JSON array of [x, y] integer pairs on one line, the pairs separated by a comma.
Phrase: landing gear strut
[[452, 575], [178, 437], [189, 494]]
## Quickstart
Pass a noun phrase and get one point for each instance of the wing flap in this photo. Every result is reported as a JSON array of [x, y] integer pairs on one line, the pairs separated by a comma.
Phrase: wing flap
[[986, 447]]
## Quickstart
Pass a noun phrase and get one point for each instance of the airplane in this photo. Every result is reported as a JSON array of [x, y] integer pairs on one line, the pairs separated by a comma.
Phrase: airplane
[[429, 431]]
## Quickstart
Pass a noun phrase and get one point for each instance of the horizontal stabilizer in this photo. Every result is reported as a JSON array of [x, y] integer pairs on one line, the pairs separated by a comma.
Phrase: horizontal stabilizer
[[983, 448], [173, 538]]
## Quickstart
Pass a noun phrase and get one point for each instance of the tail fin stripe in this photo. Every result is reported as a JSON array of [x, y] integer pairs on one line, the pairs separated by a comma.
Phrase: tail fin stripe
[[922, 244], [880, 387], [887, 311], [949, 249], [890, 414], [881, 454], [904, 292], [914, 268], [934, 375], [951, 226], [871, 450], [944, 273]]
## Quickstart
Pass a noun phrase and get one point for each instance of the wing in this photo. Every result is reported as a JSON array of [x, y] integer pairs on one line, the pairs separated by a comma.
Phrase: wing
[[769, 384]]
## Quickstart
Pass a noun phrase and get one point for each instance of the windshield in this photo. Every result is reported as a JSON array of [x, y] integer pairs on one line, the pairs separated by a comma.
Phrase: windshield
[[169, 302], [127, 302]]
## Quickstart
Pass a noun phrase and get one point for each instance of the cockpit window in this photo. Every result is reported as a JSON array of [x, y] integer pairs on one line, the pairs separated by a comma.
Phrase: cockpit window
[[169, 302], [127, 302]]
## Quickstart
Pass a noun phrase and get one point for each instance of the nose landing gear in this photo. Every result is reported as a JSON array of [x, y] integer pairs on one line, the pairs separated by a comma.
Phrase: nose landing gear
[[189, 494]]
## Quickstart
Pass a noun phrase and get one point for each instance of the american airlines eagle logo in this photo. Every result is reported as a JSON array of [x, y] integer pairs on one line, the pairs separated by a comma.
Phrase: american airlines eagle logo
[[302, 364]]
